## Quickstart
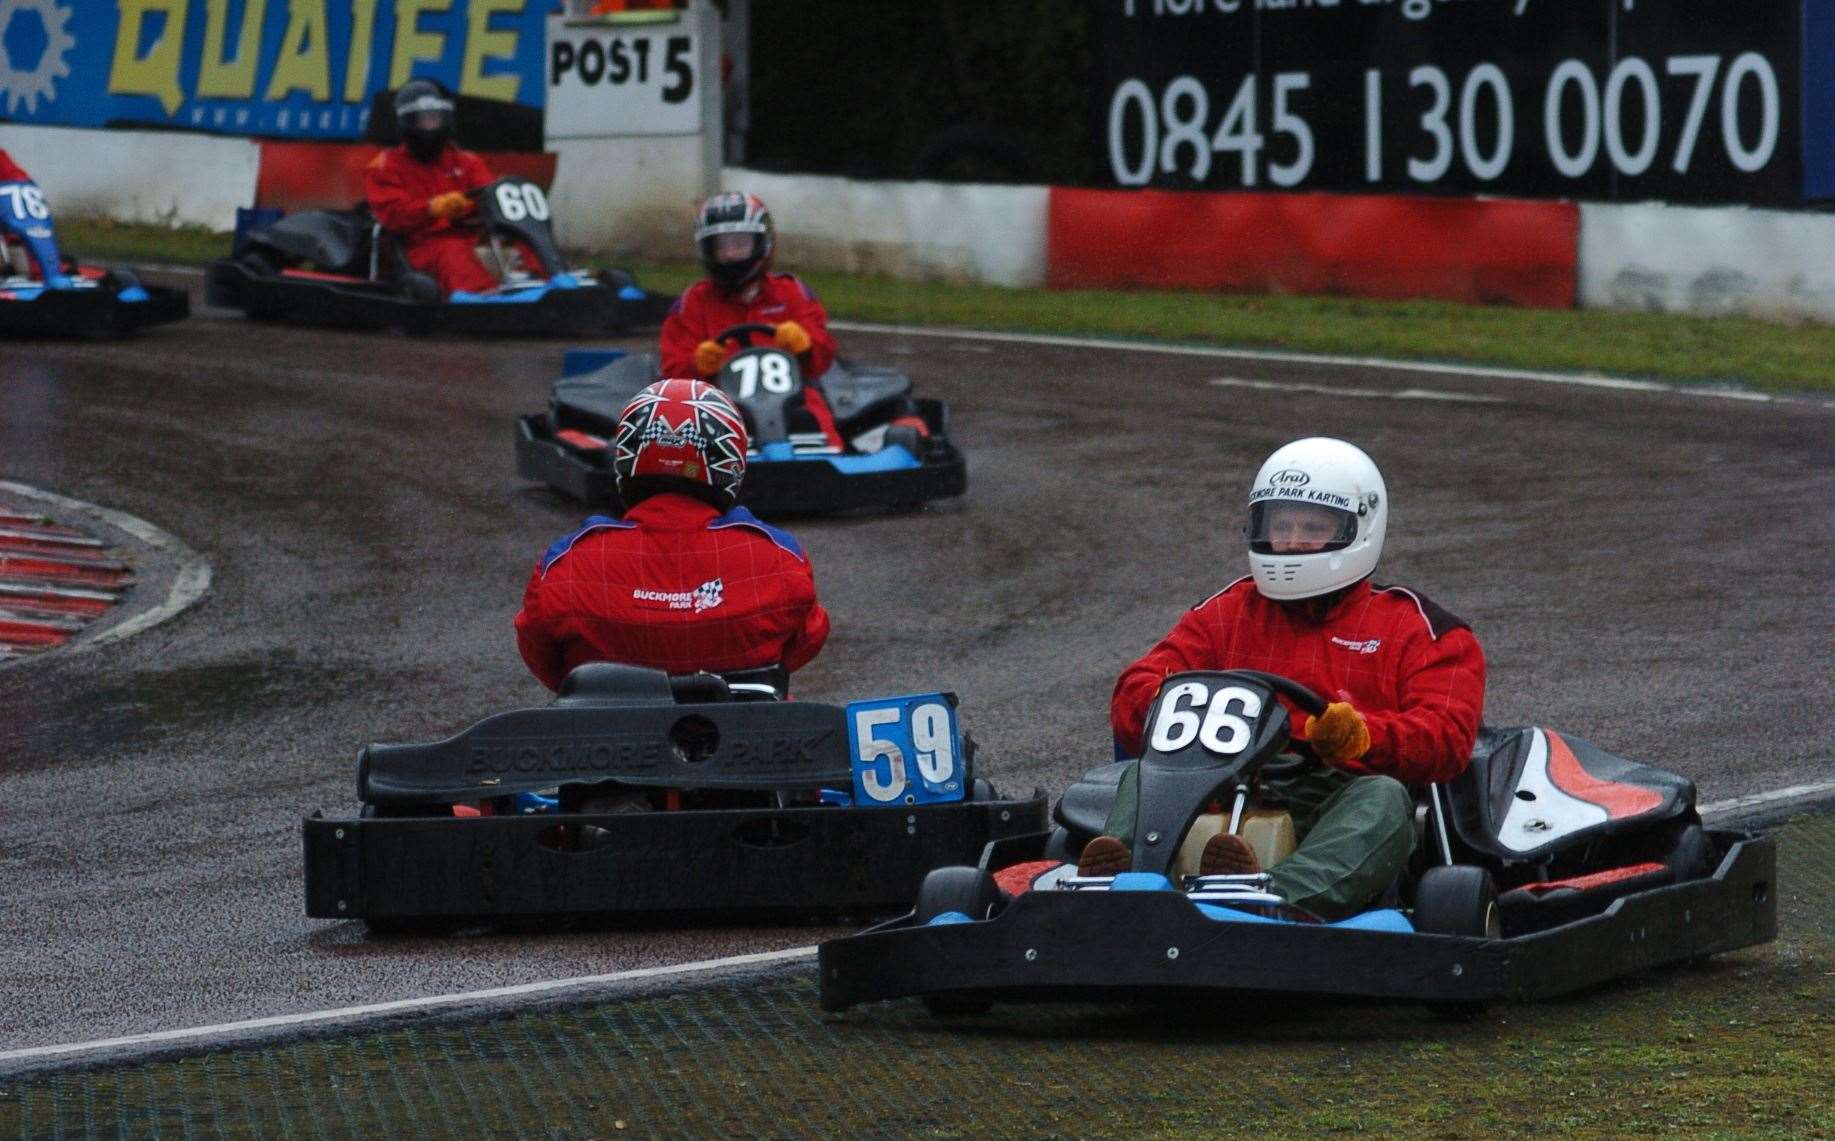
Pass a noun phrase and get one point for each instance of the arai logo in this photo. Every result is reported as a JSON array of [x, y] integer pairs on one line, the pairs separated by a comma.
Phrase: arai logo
[[1289, 477]]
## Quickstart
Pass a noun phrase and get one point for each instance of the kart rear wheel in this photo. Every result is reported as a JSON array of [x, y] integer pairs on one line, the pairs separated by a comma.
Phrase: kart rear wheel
[[1457, 900], [967, 891]]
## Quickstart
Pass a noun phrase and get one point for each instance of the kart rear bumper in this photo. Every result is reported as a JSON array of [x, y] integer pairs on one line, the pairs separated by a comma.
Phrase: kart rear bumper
[[91, 312], [791, 860], [586, 311], [788, 487], [1053, 944]]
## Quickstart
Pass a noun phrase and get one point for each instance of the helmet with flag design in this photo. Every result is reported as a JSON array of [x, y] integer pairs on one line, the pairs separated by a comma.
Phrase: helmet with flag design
[[684, 436]]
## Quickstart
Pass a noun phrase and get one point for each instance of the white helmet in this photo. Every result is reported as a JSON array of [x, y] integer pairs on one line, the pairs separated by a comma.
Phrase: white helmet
[[1327, 497]]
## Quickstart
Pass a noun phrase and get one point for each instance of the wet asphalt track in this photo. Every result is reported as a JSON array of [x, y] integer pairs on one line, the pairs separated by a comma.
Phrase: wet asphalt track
[[1648, 571]]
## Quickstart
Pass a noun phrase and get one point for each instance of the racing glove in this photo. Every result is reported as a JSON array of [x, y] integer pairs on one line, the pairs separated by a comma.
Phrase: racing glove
[[708, 356], [450, 205], [1339, 734], [793, 338]]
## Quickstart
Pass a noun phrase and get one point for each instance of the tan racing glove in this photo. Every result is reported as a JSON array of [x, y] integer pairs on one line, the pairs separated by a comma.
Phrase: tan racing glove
[[450, 205], [708, 357], [1339, 734], [793, 338]]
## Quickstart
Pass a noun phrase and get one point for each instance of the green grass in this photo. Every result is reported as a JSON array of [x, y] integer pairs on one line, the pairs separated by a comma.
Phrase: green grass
[[1762, 355]]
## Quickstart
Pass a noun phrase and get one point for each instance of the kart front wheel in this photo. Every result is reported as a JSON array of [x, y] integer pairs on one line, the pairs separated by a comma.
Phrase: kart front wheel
[[964, 891], [1457, 900]]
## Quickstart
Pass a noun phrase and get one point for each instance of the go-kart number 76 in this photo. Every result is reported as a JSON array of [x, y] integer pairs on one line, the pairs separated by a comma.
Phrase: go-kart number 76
[[906, 751], [1222, 721], [25, 201]]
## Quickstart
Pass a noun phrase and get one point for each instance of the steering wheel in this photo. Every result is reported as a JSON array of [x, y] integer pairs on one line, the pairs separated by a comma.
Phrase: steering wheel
[[741, 335], [1302, 696]]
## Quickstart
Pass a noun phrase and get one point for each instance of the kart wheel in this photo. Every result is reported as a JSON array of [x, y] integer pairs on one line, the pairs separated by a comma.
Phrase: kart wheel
[[257, 263], [417, 286], [1061, 847], [1457, 900], [907, 437], [121, 277], [1688, 857], [972, 892]]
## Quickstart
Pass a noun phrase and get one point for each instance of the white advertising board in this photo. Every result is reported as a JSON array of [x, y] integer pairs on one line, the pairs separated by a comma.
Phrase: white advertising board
[[619, 80]]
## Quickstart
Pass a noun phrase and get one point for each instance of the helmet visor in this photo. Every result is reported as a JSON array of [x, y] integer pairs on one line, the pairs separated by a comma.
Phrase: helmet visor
[[732, 249], [1290, 527]]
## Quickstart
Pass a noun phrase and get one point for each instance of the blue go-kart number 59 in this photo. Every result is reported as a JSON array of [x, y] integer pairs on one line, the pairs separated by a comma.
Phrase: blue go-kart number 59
[[906, 750]]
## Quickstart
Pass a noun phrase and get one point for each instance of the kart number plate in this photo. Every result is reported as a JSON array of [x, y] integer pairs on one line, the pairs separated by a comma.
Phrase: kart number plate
[[906, 750]]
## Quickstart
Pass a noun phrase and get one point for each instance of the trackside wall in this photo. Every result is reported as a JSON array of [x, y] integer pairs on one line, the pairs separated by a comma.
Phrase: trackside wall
[[1676, 259], [163, 177]]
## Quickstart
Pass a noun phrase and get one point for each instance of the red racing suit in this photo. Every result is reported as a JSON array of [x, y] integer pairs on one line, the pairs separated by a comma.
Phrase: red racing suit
[[1415, 672], [11, 171], [704, 309], [675, 586], [398, 188]]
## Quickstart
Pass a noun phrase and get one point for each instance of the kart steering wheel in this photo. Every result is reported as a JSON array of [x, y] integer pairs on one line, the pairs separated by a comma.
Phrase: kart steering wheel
[[1302, 696], [741, 335]]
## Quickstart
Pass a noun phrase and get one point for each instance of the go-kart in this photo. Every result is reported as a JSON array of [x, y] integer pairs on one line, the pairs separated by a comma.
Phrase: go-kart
[[641, 794], [1547, 866], [342, 268], [897, 452], [43, 293]]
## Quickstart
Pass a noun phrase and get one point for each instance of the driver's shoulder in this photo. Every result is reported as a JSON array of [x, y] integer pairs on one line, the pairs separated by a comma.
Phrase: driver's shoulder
[[1230, 595], [1410, 607]]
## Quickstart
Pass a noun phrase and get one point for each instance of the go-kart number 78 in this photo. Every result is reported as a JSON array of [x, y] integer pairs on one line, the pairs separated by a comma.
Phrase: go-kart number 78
[[1225, 727], [769, 371], [881, 731]]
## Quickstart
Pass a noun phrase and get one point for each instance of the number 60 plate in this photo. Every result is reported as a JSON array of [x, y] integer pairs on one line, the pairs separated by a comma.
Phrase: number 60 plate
[[906, 750]]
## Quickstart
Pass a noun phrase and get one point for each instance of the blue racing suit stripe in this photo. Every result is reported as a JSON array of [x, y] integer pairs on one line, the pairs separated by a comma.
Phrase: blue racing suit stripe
[[565, 543], [740, 517]]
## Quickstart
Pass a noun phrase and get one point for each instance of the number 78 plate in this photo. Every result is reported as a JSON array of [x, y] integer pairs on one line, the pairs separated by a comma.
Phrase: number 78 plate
[[906, 750]]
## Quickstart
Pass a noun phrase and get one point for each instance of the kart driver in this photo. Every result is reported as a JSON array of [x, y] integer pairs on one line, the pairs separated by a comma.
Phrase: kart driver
[[11, 171], [685, 581], [419, 191], [737, 240], [1404, 678]]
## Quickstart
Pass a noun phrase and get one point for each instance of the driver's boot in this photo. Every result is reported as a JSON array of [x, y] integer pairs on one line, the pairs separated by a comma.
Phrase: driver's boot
[[1228, 855], [1104, 856]]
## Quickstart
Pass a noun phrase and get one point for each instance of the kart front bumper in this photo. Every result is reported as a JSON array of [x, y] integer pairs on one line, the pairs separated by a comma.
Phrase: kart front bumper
[[815, 860], [91, 312], [580, 312], [1056, 944]]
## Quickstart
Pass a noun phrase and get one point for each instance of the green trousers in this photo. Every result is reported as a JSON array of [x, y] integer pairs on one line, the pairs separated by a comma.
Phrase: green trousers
[[1356, 833]]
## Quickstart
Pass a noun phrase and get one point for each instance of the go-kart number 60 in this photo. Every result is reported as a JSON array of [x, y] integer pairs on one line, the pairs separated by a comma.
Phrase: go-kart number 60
[[519, 200], [769, 371], [26, 201], [1225, 727], [932, 743]]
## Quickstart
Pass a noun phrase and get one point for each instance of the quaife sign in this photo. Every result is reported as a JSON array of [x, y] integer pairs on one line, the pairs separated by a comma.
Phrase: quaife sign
[[290, 68], [1683, 100]]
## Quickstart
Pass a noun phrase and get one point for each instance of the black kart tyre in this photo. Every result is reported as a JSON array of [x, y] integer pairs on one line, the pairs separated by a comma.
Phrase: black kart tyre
[[1688, 857], [972, 892], [1457, 900]]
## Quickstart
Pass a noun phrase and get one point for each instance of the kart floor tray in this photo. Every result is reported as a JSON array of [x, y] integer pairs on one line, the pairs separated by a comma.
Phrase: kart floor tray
[[795, 860], [1065, 944]]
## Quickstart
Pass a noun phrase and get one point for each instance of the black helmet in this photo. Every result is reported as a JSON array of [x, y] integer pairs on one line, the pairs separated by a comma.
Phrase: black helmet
[[745, 216], [424, 116]]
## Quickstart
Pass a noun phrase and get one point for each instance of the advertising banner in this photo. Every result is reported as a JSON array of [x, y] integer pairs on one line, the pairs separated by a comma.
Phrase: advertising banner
[[281, 68], [1685, 100]]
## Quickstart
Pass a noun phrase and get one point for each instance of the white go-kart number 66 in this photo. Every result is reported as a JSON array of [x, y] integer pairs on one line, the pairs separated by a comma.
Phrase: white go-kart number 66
[[931, 741], [1223, 722], [519, 200], [768, 371]]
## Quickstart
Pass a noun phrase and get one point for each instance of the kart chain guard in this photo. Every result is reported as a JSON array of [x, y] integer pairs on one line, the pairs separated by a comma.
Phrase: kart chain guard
[[1531, 793], [719, 745]]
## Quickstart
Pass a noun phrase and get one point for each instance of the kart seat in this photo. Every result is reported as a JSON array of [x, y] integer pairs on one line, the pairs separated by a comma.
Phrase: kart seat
[[614, 683], [857, 391], [1084, 807]]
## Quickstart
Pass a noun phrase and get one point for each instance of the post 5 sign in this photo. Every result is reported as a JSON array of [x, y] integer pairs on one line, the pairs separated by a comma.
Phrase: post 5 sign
[[608, 80], [906, 750]]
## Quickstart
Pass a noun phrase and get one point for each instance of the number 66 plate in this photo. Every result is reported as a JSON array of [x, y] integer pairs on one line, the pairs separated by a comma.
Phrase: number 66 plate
[[906, 750]]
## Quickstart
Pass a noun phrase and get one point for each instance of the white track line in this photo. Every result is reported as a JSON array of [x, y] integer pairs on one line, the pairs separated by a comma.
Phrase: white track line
[[1579, 380], [188, 585], [559, 986], [1358, 393], [523, 990]]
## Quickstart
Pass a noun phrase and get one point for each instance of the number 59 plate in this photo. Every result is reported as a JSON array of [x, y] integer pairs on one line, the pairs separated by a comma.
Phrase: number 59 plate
[[906, 750]]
